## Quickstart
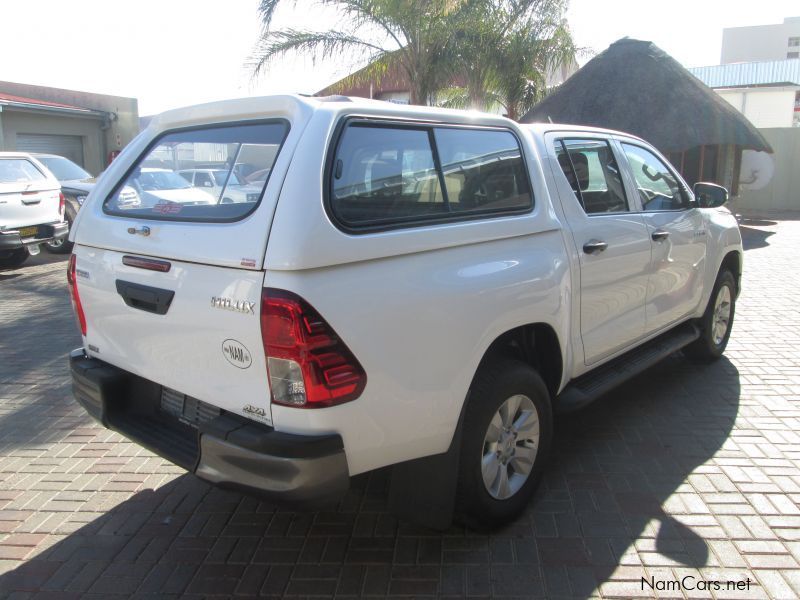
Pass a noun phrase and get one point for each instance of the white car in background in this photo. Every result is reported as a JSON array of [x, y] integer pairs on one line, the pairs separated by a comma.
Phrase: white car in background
[[31, 208], [224, 188], [157, 187], [76, 184]]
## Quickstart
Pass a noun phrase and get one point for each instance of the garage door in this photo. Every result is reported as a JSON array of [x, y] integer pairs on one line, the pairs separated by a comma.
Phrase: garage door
[[69, 146]]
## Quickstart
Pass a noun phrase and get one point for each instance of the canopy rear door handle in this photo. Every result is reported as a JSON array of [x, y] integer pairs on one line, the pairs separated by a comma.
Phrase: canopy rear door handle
[[659, 235], [146, 298], [594, 246]]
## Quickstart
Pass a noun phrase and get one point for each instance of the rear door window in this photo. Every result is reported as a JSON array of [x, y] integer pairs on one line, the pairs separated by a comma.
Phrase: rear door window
[[593, 174], [386, 175], [160, 185]]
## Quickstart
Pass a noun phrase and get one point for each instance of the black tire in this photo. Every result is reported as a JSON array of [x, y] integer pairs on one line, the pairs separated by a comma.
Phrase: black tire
[[62, 245], [15, 259], [710, 346], [496, 382]]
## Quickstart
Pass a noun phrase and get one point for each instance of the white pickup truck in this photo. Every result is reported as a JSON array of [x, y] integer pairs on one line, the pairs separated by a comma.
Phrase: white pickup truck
[[413, 287], [31, 208]]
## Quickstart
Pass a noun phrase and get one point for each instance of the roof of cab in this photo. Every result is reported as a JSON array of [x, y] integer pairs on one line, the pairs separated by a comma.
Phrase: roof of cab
[[293, 106], [541, 129], [10, 154]]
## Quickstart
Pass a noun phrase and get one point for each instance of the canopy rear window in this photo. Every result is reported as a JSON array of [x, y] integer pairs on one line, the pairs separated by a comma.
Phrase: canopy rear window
[[19, 170], [160, 185]]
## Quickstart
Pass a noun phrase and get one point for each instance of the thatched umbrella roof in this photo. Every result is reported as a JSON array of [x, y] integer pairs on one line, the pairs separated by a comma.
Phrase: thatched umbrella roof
[[636, 87]]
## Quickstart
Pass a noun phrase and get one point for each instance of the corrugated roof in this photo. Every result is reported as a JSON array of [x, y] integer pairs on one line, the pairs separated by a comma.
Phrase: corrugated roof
[[774, 72]]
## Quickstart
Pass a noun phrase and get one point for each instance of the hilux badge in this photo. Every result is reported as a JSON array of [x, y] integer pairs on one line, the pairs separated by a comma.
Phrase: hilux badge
[[241, 306]]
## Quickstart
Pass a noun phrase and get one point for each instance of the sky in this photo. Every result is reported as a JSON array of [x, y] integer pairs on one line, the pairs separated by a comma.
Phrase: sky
[[171, 53]]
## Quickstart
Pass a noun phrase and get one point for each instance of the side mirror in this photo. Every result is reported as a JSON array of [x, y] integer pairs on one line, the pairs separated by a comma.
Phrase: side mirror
[[710, 195]]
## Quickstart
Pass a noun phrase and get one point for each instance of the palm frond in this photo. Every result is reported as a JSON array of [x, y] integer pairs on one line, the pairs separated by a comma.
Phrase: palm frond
[[453, 97], [372, 73], [318, 44]]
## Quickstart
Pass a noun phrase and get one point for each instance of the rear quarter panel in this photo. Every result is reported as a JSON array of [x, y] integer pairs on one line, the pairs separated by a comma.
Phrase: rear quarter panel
[[418, 307]]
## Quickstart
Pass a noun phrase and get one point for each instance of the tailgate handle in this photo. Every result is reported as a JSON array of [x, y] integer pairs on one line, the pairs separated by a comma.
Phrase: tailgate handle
[[146, 298]]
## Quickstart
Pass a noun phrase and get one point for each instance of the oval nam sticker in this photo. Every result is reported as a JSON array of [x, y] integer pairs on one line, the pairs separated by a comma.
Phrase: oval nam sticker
[[237, 354]]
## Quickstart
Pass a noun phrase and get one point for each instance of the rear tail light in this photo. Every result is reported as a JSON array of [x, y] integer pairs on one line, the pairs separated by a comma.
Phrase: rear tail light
[[77, 307], [62, 204], [308, 365]]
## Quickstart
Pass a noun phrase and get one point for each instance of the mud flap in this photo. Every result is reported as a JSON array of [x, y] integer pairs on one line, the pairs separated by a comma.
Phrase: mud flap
[[423, 491]]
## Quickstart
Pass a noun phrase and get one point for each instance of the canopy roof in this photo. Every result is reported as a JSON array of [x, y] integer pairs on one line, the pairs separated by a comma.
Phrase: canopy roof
[[636, 87]]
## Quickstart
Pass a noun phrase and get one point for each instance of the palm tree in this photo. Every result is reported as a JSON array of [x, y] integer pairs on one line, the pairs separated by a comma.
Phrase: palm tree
[[414, 36], [505, 49], [523, 62]]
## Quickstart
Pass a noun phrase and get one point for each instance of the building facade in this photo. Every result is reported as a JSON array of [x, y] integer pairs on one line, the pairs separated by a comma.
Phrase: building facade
[[761, 43], [84, 127], [767, 93]]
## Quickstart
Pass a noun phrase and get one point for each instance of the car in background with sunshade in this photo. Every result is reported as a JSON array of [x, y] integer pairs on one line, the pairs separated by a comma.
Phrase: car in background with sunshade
[[31, 208], [76, 183], [225, 186]]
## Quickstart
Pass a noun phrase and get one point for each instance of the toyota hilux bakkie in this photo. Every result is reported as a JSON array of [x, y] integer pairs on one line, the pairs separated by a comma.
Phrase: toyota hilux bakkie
[[413, 288]]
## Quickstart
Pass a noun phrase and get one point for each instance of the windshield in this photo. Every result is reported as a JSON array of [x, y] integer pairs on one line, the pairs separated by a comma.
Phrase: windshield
[[161, 180], [220, 176], [63, 168]]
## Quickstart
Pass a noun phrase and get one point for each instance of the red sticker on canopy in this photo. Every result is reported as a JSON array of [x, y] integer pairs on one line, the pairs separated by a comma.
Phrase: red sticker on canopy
[[167, 208]]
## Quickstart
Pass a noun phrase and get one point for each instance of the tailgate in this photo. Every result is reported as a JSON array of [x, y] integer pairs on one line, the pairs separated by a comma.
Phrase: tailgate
[[194, 329], [147, 204], [32, 207], [28, 196]]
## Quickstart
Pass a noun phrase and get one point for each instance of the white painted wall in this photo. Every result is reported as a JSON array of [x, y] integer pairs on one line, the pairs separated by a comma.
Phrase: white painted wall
[[759, 42], [782, 193], [763, 107]]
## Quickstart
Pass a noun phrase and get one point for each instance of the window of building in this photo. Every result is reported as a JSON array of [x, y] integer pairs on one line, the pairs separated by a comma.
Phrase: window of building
[[794, 42], [593, 174], [793, 55]]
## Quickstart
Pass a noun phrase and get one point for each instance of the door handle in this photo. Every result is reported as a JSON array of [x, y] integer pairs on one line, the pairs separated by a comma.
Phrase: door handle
[[659, 235], [144, 230], [146, 298], [594, 246]]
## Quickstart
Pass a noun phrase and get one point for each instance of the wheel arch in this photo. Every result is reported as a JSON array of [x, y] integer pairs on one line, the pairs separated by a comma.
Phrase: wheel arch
[[536, 344], [733, 261]]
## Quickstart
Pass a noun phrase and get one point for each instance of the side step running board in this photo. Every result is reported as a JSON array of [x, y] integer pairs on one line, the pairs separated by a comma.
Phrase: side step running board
[[594, 384]]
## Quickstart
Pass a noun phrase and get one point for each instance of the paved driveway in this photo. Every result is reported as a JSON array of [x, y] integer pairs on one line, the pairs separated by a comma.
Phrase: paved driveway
[[687, 475]]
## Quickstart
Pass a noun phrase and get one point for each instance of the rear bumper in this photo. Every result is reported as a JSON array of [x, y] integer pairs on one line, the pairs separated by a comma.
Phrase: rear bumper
[[11, 240], [229, 450]]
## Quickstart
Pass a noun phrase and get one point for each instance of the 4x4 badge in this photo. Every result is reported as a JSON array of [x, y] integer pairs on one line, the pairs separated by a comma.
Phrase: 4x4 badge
[[254, 410], [241, 306]]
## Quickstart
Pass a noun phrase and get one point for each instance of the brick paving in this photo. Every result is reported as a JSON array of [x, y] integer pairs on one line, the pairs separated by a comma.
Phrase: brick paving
[[686, 472]]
